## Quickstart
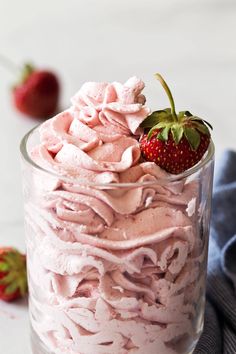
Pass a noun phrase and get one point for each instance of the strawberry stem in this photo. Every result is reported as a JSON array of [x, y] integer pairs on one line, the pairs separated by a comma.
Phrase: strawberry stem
[[8, 64], [169, 94]]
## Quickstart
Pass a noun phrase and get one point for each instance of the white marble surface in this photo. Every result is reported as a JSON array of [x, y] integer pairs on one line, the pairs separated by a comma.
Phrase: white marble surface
[[190, 42]]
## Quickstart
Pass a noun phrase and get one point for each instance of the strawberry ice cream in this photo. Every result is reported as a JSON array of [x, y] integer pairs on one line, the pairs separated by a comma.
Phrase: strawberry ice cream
[[116, 246]]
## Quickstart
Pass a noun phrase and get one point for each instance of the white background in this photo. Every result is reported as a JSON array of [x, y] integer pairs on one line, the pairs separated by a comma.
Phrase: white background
[[192, 43]]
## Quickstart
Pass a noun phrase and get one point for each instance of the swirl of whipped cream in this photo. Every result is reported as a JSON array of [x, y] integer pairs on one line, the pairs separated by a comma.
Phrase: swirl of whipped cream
[[120, 107], [94, 139]]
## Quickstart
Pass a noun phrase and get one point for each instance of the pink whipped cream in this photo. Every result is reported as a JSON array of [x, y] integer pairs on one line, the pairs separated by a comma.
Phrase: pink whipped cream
[[111, 270]]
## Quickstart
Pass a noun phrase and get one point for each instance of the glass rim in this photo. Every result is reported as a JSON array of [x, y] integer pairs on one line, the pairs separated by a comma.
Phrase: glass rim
[[170, 178]]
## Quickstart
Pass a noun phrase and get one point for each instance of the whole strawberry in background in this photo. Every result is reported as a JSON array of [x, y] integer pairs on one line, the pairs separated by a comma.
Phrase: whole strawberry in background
[[175, 142], [37, 92], [13, 278]]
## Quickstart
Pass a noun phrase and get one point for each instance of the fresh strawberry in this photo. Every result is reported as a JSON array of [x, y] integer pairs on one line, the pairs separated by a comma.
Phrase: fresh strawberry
[[37, 93], [175, 142], [13, 279]]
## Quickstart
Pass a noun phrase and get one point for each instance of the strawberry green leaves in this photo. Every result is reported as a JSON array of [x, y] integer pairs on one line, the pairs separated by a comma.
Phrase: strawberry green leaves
[[156, 117], [193, 137], [177, 132], [186, 125], [163, 126], [13, 277], [202, 128], [164, 133], [4, 267], [202, 121], [11, 288]]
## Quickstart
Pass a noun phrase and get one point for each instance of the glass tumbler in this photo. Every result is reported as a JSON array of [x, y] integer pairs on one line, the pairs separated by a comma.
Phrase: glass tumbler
[[116, 268]]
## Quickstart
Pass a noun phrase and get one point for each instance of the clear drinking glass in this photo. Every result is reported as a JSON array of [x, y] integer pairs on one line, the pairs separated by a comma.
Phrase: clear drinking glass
[[116, 268]]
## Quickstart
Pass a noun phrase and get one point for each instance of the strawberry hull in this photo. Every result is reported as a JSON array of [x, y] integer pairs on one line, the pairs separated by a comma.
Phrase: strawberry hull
[[13, 282]]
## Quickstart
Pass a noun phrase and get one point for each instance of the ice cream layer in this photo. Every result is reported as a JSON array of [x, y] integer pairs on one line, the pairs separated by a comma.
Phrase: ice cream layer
[[117, 269]]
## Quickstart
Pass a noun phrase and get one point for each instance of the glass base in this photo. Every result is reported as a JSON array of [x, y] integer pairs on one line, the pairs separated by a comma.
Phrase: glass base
[[38, 347]]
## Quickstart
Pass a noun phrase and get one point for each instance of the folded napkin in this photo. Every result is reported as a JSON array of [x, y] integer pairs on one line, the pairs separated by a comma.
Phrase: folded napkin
[[219, 335]]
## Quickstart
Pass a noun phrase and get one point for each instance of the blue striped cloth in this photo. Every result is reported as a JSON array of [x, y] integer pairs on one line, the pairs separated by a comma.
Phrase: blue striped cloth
[[219, 335]]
